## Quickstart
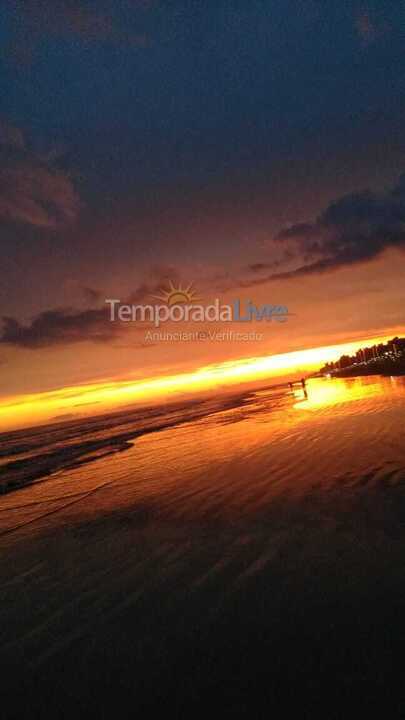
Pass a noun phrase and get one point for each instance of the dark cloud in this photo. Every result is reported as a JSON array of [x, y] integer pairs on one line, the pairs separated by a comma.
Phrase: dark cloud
[[259, 267], [60, 327], [355, 228], [66, 326], [33, 190], [159, 277], [273, 264], [91, 295]]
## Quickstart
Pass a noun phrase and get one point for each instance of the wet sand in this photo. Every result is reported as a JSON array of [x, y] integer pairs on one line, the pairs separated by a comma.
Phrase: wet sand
[[247, 562]]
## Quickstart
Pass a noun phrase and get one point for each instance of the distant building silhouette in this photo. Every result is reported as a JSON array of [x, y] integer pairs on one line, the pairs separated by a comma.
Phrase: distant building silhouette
[[393, 350]]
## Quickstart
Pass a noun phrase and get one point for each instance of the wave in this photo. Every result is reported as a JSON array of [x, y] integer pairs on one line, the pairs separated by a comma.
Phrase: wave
[[29, 456]]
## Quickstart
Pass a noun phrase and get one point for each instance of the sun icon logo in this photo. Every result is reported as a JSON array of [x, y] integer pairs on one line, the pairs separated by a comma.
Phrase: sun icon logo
[[177, 295]]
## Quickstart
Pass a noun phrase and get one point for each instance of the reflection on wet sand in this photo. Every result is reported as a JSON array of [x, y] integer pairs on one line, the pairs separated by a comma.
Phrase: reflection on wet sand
[[336, 392], [253, 549]]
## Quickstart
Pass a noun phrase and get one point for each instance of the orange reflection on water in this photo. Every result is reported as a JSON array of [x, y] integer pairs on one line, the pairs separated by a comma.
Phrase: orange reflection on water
[[325, 393]]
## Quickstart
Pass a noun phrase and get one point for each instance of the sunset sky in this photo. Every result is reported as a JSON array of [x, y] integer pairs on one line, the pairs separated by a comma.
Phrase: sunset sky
[[254, 149]]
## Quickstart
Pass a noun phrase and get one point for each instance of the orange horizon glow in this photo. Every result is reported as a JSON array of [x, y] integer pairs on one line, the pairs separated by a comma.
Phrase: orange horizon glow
[[38, 408]]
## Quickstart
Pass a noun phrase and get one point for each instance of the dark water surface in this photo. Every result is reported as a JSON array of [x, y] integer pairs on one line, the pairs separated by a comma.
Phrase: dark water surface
[[240, 556]]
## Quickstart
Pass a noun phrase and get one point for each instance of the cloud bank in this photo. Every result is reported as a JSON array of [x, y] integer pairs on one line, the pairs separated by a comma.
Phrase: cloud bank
[[67, 326], [355, 228]]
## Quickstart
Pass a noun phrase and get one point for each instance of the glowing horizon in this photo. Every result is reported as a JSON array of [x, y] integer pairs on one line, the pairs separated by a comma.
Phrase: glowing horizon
[[55, 405]]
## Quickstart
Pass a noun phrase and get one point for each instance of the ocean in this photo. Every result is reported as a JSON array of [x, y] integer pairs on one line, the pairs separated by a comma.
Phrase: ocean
[[225, 555]]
